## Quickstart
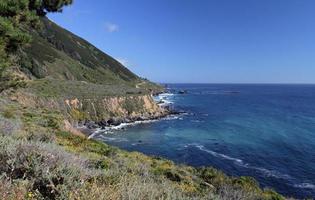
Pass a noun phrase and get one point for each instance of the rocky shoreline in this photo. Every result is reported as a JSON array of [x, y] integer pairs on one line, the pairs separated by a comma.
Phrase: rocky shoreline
[[88, 127]]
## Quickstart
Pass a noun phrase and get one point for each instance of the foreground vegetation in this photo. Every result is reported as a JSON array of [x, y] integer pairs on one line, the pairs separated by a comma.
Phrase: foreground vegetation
[[39, 160]]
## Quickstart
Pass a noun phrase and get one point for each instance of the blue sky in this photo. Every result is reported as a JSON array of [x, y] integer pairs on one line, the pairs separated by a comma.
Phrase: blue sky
[[202, 41]]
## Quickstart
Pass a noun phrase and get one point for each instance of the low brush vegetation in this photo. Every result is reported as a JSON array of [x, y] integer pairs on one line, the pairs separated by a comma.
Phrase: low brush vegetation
[[38, 160], [15, 17], [79, 89]]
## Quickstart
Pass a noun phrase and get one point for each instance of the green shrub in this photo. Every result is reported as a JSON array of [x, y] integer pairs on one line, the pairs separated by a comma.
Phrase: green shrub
[[16, 16], [228, 192], [102, 164], [8, 113], [51, 171], [78, 115], [272, 195], [213, 176], [52, 122], [247, 182], [9, 126], [84, 145], [37, 135], [172, 175]]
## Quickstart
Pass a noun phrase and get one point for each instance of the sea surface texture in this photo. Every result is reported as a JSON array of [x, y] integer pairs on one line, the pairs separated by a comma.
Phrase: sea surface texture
[[264, 131]]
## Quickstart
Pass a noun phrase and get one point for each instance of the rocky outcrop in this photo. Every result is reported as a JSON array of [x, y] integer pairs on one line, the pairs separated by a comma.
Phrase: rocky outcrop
[[106, 111], [120, 107]]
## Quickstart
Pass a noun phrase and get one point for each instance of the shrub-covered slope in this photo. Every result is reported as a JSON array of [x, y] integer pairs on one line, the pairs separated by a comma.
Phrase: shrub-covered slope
[[57, 53], [39, 160], [60, 67], [43, 157]]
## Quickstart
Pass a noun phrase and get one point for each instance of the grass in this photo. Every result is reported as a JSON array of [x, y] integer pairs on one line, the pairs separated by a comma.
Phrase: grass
[[8, 113], [79, 89], [94, 101], [59, 54], [60, 63], [191, 182], [38, 159]]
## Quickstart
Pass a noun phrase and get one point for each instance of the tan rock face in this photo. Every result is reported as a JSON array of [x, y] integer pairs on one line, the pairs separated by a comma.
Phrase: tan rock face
[[69, 127], [126, 106], [131, 106], [114, 105]]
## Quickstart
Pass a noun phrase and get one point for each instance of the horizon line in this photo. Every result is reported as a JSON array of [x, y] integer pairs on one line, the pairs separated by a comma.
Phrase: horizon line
[[235, 83]]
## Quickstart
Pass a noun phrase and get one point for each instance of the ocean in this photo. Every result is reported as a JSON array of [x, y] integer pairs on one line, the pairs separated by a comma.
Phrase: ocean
[[264, 131]]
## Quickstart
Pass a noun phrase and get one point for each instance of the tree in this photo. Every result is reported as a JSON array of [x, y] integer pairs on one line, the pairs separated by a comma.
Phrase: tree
[[44, 6], [14, 14], [15, 17]]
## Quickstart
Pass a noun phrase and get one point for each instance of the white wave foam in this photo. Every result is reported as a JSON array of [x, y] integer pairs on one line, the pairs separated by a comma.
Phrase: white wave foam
[[123, 125], [104, 138], [271, 173], [172, 117], [265, 172], [165, 98], [239, 162], [165, 103], [220, 155], [136, 144], [197, 121], [110, 129], [92, 135], [166, 94], [305, 186], [96, 132], [120, 126]]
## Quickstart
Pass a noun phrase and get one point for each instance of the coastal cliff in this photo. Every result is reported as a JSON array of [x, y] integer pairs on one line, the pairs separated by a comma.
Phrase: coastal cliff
[[108, 110], [59, 80], [61, 71], [127, 107]]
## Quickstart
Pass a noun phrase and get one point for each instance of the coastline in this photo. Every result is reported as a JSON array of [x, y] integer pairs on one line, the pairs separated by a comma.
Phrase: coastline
[[186, 180], [90, 133], [209, 149], [91, 128]]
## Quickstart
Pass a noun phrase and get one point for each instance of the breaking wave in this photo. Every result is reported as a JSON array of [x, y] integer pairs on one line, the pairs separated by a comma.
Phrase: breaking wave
[[265, 172]]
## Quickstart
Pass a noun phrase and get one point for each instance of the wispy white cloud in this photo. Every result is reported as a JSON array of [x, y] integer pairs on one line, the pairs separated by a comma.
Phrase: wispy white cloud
[[123, 61], [110, 27]]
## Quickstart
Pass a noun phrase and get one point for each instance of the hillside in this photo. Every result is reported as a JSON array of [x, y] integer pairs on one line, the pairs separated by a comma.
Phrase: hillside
[[43, 155], [57, 53], [59, 67]]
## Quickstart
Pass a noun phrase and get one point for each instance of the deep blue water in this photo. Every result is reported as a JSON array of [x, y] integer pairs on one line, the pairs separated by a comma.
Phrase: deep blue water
[[264, 131]]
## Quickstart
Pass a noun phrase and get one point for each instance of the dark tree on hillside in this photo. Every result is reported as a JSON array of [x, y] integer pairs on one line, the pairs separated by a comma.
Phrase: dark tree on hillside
[[15, 17], [44, 6]]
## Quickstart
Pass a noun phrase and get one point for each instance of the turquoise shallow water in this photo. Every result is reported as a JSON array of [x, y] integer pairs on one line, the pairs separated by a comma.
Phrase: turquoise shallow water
[[264, 131]]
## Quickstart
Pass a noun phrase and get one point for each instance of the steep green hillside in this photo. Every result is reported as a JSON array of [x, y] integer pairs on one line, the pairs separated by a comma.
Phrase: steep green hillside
[[57, 53], [39, 160], [59, 79], [63, 67]]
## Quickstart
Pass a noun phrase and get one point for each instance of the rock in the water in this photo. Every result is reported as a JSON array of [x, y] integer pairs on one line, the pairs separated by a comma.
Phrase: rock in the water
[[126, 120], [182, 92], [91, 125], [161, 102], [114, 121], [103, 123]]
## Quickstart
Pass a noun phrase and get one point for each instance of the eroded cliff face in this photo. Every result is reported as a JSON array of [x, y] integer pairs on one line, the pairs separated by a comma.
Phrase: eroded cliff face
[[129, 107]]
